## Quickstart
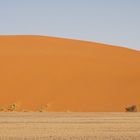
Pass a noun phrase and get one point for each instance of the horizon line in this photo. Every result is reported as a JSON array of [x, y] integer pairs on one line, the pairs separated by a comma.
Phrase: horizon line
[[73, 39]]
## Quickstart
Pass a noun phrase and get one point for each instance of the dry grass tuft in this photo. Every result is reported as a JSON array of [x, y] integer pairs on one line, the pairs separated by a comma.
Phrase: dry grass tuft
[[13, 107], [43, 109], [2, 109]]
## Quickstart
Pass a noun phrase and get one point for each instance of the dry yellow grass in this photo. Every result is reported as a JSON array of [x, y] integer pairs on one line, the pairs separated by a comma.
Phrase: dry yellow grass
[[69, 126]]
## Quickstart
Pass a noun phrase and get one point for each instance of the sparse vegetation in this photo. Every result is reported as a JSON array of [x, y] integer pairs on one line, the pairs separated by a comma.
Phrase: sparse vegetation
[[131, 108], [43, 109], [12, 107], [2, 109]]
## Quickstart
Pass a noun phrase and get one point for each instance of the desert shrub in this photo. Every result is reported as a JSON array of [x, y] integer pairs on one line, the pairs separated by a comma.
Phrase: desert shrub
[[131, 108], [43, 109], [12, 107], [2, 109]]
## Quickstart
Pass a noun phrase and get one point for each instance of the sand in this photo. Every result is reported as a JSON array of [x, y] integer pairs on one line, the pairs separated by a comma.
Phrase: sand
[[67, 75], [70, 126]]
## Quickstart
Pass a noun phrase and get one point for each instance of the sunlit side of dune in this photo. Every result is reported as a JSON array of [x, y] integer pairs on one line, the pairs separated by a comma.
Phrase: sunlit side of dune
[[64, 74]]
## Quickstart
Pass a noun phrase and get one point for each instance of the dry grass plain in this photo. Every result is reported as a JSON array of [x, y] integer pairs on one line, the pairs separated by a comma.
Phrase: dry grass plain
[[69, 126]]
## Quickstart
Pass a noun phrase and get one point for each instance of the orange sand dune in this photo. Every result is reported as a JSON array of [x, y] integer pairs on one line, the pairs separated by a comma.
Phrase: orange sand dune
[[67, 74]]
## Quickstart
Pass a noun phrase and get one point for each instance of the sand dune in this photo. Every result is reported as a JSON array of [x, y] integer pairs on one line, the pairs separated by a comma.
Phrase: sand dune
[[65, 74]]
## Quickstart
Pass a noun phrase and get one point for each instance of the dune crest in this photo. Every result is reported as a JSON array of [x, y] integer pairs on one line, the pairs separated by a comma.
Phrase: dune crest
[[65, 74]]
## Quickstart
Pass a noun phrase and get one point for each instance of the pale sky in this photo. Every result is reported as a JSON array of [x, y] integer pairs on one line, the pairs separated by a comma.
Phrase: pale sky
[[114, 22]]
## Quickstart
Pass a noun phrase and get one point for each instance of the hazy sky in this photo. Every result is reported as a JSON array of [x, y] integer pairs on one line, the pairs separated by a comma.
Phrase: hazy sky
[[108, 21]]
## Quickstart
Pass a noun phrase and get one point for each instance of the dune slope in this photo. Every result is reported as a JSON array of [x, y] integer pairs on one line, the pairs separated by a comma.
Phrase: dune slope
[[65, 74]]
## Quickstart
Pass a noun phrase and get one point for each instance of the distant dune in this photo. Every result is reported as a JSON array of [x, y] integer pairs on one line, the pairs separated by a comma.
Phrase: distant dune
[[67, 75]]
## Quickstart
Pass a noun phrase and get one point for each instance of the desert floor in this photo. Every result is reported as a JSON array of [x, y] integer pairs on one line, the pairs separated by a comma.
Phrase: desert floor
[[69, 126]]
